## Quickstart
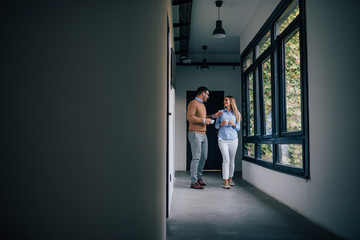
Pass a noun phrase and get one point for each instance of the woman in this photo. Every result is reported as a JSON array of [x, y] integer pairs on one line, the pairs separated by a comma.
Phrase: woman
[[229, 125]]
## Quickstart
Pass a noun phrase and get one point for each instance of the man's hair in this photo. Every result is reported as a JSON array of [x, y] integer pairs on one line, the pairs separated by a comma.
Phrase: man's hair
[[201, 89]]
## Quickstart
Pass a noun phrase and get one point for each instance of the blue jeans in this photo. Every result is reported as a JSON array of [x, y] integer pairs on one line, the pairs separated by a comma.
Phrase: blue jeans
[[199, 151]]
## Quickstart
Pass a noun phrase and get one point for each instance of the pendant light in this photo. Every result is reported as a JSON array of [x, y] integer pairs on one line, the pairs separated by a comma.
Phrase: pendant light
[[204, 64], [219, 32]]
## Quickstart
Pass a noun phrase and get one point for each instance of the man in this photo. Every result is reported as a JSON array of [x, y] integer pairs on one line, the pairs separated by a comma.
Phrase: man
[[196, 115]]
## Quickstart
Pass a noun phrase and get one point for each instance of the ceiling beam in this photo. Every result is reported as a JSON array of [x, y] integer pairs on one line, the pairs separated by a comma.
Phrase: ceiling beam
[[233, 64], [180, 38], [181, 52], [178, 2], [175, 25], [198, 64]]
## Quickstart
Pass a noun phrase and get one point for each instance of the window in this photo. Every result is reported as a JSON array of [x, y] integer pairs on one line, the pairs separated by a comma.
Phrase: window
[[274, 99], [292, 83], [251, 104], [249, 150], [263, 44], [266, 78], [291, 155], [287, 17], [248, 61], [266, 152]]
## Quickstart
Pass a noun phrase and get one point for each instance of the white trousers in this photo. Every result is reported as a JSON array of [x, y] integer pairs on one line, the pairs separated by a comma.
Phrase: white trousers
[[228, 151]]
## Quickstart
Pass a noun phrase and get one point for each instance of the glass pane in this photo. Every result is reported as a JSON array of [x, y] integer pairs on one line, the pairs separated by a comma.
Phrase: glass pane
[[257, 102], [291, 155], [249, 150], [248, 61], [263, 44], [267, 95], [251, 104], [293, 84], [287, 17], [267, 152]]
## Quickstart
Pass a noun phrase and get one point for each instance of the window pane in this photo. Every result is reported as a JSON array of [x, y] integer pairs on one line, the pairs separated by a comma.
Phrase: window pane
[[257, 110], [244, 117], [249, 150], [293, 84], [291, 155], [267, 152], [251, 104], [287, 17], [248, 61], [263, 44], [267, 95]]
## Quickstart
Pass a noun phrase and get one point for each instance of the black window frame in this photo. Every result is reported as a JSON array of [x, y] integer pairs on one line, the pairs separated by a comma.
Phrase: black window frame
[[276, 53]]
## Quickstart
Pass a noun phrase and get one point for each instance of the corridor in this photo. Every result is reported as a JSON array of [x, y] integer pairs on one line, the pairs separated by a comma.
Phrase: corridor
[[243, 212]]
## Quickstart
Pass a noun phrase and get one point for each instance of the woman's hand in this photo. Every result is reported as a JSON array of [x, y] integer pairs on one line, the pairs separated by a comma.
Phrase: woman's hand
[[232, 123], [223, 123]]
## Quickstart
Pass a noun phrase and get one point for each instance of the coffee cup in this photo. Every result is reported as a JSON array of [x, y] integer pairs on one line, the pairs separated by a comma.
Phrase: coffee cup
[[212, 121], [226, 122]]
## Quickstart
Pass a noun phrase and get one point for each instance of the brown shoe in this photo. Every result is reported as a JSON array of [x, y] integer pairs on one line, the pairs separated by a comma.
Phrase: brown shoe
[[196, 185], [201, 182]]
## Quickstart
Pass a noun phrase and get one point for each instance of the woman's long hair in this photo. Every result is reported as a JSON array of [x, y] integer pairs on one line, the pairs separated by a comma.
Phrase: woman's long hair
[[234, 108]]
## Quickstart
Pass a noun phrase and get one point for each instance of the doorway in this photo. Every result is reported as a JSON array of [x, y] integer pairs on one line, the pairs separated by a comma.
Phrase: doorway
[[214, 104]]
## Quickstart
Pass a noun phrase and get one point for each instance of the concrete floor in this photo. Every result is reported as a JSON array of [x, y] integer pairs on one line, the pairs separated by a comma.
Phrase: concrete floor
[[243, 212]]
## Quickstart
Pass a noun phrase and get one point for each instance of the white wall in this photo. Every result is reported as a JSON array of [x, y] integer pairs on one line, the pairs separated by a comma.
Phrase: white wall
[[189, 78], [83, 116], [330, 197], [171, 116], [172, 134]]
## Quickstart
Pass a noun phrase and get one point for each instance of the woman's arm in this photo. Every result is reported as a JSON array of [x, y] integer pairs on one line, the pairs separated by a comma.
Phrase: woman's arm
[[237, 124], [218, 120]]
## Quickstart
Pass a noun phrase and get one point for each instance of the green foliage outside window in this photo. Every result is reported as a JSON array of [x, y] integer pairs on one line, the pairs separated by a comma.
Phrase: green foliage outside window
[[264, 43], [267, 95], [267, 152], [289, 15], [251, 107], [248, 61], [291, 155], [292, 83], [250, 149]]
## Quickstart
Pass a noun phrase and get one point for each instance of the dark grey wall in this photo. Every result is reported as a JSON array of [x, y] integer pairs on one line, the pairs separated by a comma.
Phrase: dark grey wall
[[82, 119]]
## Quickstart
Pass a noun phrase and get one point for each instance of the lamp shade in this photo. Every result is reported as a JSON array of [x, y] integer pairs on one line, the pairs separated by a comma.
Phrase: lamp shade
[[219, 32]]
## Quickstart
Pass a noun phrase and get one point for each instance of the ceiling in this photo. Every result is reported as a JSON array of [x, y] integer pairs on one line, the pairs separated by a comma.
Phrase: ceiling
[[202, 16]]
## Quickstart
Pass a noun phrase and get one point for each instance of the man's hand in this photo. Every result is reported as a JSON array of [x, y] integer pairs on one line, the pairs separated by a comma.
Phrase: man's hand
[[219, 113], [208, 121]]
